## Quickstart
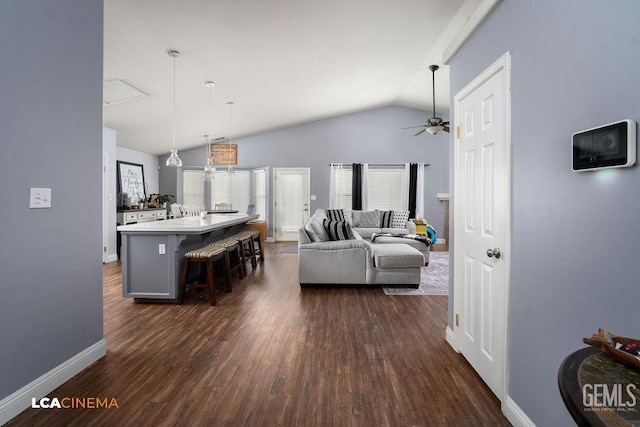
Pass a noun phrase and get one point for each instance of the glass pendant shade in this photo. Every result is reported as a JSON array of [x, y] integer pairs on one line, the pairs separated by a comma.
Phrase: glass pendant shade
[[209, 169], [173, 160]]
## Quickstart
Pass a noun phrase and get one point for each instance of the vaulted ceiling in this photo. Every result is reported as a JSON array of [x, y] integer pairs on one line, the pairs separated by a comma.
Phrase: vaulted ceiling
[[282, 63]]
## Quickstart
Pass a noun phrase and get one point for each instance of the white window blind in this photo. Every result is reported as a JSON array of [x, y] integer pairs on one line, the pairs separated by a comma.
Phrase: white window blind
[[341, 194], [232, 189], [192, 188], [261, 194], [386, 189]]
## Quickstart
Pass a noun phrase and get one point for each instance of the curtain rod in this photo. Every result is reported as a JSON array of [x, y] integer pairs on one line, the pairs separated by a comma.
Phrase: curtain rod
[[377, 164]]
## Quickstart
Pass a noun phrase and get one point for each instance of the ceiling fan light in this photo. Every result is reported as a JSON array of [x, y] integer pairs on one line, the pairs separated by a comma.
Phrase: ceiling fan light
[[433, 130]]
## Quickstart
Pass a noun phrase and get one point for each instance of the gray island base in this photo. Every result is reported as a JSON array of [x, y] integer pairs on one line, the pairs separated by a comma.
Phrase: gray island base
[[152, 252]]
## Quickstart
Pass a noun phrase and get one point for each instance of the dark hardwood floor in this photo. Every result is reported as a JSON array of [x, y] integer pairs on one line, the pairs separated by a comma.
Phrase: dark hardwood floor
[[272, 354]]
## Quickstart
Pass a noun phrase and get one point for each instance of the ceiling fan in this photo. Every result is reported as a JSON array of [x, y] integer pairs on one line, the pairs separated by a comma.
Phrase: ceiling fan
[[434, 124]]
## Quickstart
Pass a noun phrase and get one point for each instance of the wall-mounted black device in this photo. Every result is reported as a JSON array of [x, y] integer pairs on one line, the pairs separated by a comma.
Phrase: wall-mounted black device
[[608, 146]]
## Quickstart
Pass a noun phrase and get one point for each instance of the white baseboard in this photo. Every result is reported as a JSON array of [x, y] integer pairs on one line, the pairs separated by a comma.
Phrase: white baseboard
[[270, 239], [451, 339], [515, 415], [112, 258], [17, 402]]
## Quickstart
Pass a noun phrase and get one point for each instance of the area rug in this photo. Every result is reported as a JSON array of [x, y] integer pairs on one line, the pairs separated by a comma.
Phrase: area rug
[[287, 248], [434, 278]]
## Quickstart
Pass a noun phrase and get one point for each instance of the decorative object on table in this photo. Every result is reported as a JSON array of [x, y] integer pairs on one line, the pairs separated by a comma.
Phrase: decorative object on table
[[152, 200], [131, 180], [173, 160], [623, 349], [209, 169], [141, 202], [163, 199]]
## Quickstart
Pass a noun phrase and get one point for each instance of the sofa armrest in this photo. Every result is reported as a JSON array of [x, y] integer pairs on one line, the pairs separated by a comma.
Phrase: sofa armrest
[[411, 226], [337, 245], [335, 262]]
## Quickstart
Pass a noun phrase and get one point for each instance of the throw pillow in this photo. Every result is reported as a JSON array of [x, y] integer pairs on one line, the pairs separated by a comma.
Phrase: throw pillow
[[399, 219], [318, 228], [385, 219], [348, 216], [338, 230], [335, 214], [369, 219]]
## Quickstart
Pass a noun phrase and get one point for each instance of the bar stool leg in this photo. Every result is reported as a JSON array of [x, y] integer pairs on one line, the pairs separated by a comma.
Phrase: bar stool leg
[[210, 281], [183, 280]]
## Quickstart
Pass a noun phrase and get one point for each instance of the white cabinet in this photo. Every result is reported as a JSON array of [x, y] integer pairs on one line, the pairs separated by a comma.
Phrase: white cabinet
[[141, 215]]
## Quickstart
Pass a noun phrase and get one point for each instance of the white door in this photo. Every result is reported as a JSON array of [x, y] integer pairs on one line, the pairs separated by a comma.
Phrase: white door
[[481, 222], [291, 202]]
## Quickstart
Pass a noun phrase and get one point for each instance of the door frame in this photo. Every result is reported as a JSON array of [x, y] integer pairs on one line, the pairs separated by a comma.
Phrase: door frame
[[276, 194], [503, 63]]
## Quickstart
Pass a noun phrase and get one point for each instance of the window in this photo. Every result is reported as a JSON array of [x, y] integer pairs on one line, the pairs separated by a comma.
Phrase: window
[[386, 188], [341, 193], [260, 178], [192, 188], [234, 189]]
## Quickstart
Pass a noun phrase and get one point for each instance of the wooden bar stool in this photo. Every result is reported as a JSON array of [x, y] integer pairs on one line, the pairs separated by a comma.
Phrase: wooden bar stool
[[206, 255], [255, 237], [233, 257], [248, 249]]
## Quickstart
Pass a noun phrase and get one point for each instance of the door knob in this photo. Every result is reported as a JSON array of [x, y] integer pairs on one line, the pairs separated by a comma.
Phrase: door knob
[[494, 253]]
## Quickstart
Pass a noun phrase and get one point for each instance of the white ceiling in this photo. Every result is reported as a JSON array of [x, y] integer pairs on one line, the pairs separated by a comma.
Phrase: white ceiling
[[282, 62]]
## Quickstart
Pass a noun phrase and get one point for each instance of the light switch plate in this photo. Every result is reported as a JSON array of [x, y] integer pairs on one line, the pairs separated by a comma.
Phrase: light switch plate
[[39, 198]]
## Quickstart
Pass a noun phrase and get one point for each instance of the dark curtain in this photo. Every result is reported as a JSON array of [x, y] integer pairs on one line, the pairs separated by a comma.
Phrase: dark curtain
[[413, 185], [356, 186]]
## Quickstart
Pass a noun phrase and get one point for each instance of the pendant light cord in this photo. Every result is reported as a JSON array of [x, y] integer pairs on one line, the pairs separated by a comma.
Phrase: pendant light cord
[[174, 101]]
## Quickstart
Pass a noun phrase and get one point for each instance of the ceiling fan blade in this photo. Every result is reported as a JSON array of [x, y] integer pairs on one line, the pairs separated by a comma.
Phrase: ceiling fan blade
[[412, 127], [445, 123], [445, 127], [423, 130]]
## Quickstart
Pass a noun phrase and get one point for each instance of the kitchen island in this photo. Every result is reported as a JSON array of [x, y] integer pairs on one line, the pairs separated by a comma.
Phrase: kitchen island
[[152, 252]]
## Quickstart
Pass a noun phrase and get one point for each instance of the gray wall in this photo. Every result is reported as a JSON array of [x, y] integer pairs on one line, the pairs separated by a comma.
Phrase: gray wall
[[374, 136], [574, 262], [51, 133], [110, 201]]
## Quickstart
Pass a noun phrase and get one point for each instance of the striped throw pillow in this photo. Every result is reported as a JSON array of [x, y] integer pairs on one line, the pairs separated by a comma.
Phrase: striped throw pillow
[[385, 219], [338, 230], [335, 214]]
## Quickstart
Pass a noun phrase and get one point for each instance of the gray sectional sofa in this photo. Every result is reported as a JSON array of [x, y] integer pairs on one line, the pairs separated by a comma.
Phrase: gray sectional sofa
[[355, 261]]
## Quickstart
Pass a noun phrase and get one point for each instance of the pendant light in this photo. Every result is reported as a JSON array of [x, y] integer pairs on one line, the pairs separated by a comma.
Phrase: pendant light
[[209, 169], [230, 170], [174, 160]]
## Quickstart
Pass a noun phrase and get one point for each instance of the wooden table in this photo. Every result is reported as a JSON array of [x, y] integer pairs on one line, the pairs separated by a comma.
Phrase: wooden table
[[599, 391]]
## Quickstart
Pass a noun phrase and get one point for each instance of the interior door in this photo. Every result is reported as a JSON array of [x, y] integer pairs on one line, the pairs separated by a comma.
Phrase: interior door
[[291, 202], [481, 215]]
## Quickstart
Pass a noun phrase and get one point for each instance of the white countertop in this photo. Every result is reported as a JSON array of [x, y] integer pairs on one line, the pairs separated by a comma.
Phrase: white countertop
[[188, 225]]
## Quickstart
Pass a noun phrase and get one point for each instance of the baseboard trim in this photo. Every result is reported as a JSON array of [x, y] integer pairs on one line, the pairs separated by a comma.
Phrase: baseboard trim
[[112, 258], [17, 402], [451, 339], [270, 239], [515, 415]]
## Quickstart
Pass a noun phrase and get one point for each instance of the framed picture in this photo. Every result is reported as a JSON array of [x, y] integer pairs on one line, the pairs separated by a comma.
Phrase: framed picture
[[131, 181]]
